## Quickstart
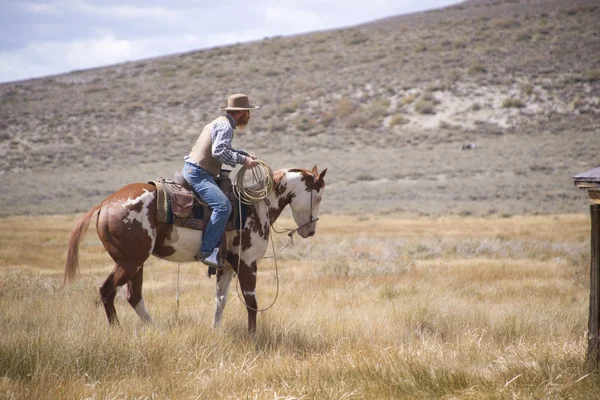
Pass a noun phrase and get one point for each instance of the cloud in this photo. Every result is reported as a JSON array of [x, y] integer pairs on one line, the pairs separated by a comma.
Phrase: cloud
[[84, 8], [44, 8], [290, 16], [42, 58], [45, 37]]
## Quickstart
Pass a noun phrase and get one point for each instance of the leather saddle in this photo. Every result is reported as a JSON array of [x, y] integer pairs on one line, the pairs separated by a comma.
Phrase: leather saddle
[[178, 204]]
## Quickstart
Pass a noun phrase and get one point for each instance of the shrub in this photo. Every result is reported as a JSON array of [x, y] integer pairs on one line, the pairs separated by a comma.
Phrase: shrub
[[408, 99], [94, 89], [504, 23], [194, 70], [398, 119], [326, 119], [477, 68], [379, 108], [523, 37], [513, 103], [303, 123], [355, 38], [344, 107], [527, 88], [420, 48], [437, 86], [428, 96], [130, 108], [289, 107], [593, 75], [423, 106], [579, 103], [361, 120]]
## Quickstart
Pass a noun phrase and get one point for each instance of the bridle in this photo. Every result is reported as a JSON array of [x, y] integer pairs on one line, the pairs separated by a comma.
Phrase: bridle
[[290, 240], [291, 231]]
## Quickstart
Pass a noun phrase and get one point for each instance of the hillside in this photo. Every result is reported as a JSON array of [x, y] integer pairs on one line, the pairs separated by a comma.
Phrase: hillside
[[487, 107]]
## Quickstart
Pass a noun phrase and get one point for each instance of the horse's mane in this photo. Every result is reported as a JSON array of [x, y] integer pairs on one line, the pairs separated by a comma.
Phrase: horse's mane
[[312, 181], [278, 175]]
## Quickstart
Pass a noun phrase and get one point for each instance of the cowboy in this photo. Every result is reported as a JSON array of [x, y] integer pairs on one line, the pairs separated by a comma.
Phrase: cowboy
[[211, 151]]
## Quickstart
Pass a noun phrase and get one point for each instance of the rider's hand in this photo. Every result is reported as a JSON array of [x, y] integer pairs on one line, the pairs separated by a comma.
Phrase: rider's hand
[[250, 161]]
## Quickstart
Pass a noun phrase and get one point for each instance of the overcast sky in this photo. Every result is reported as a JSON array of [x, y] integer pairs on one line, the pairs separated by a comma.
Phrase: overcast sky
[[45, 37]]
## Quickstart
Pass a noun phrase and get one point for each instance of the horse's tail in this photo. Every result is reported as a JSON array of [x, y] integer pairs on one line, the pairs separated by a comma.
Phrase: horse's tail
[[73, 253]]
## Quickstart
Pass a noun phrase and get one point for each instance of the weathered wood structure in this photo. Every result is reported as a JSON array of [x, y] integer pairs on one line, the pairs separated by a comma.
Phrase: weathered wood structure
[[590, 181]]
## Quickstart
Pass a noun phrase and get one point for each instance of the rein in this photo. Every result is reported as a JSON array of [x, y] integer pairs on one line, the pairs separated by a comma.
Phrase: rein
[[247, 197], [290, 232]]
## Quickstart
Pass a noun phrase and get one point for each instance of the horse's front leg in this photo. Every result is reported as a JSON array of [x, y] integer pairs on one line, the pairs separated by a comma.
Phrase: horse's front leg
[[247, 277], [223, 280]]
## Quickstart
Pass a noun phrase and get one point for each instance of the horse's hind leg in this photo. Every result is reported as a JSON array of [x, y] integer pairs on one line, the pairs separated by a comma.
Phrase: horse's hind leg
[[134, 295], [108, 290]]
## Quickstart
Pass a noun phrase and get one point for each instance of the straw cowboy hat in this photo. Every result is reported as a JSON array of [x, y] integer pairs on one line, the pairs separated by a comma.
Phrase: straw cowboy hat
[[237, 102]]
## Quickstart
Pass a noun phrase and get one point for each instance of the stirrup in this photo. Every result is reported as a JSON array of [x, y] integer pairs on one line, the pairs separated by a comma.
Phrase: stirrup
[[213, 263], [213, 259]]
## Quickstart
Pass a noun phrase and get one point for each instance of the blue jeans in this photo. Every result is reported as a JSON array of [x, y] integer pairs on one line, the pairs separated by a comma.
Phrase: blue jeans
[[204, 184]]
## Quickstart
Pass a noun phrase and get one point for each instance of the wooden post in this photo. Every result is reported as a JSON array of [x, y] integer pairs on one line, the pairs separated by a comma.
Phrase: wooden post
[[590, 181], [594, 318]]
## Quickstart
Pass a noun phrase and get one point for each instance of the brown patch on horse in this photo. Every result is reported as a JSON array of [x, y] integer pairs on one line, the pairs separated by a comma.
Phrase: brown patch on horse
[[245, 235], [129, 244], [275, 212], [279, 187], [312, 183], [234, 260], [163, 233], [246, 239], [312, 179], [255, 226], [135, 207]]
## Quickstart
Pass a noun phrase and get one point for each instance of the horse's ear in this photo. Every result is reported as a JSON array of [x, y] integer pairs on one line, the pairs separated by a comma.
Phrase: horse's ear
[[322, 174], [315, 171]]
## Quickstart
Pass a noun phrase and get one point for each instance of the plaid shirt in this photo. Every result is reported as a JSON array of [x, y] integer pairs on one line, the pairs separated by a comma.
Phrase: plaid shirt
[[222, 135]]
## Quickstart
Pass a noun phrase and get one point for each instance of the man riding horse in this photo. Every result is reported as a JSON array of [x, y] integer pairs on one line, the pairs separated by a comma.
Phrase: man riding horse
[[128, 226], [203, 164]]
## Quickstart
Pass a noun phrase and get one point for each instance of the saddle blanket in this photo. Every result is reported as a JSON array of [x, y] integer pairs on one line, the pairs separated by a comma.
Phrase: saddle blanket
[[179, 206]]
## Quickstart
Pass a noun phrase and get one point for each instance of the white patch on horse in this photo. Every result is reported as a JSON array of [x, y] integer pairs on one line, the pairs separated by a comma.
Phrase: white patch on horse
[[293, 175], [186, 243], [250, 293], [145, 198], [258, 247], [140, 310]]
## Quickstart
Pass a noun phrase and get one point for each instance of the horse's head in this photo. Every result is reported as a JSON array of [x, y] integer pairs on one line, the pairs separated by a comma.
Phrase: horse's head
[[307, 194]]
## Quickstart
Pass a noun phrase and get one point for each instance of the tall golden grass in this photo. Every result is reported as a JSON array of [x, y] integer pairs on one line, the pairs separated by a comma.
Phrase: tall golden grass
[[376, 308]]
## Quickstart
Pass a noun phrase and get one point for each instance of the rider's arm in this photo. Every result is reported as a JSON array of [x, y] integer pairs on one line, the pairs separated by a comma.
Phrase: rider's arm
[[222, 135]]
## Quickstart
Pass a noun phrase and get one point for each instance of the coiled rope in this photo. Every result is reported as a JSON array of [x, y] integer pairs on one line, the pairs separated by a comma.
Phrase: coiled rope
[[262, 183], [253, 192]]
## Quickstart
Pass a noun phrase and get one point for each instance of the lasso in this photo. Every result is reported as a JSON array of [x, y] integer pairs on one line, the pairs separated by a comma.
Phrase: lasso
[[262, 185]]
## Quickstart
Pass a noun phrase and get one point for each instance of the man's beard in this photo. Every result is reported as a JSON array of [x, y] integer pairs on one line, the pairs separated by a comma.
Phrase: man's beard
[[241, 129]]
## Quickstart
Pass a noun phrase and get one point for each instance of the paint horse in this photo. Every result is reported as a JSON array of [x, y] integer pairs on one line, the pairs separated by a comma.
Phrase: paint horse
[[128, 228]]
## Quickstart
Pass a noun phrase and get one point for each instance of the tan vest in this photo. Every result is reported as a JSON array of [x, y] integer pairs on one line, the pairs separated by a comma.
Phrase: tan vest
[[201, 153]]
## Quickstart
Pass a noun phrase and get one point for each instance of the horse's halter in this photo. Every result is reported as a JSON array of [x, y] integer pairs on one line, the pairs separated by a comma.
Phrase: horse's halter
[[292, 231], [311, 220]]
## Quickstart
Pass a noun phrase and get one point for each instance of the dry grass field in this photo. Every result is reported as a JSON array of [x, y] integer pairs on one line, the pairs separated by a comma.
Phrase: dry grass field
[[372, 307]]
